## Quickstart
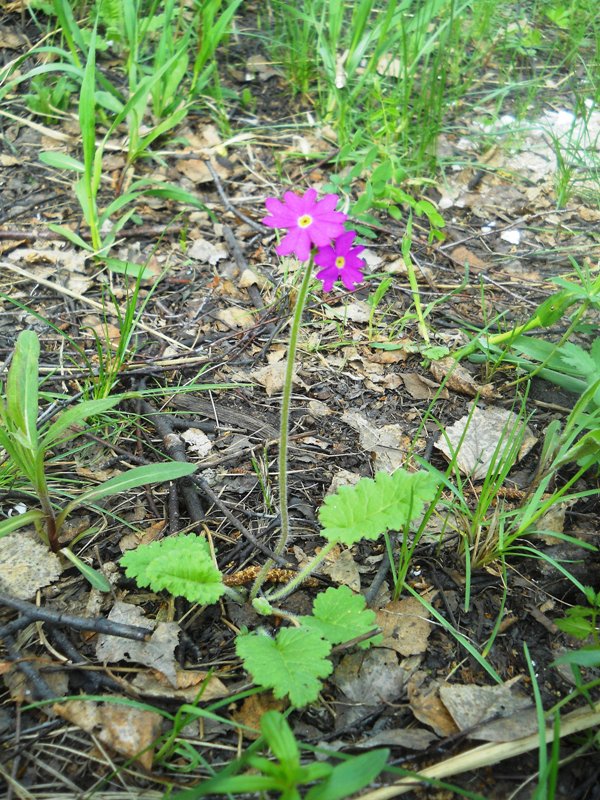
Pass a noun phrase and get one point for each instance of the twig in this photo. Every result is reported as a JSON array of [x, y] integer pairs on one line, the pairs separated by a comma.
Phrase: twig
[[97, 624], [40, 688], [176, 450], [219, 186], [140, 231], [55, 287], [235, 521]]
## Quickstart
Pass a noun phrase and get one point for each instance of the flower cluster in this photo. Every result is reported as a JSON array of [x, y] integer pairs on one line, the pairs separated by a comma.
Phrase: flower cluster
[[311, 224]]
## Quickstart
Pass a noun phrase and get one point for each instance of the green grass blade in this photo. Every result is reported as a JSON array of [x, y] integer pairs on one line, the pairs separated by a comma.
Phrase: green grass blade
[[22, 388]]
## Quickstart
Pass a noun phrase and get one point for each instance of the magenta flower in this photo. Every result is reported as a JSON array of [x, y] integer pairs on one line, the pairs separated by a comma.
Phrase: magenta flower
[[341, 261], [310, 221]]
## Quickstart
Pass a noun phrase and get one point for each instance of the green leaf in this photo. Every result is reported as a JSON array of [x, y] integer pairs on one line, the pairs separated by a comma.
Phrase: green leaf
[[70, 235], [339, 615], [371, 507], [138, 476], [280, 738], [92, 576], [129, 268], [136, 562], [77, 414], [350, 776], [586, 657], [199, 581], [61, 161], [22, 388], [20, 521], [291, 664], [577, 622]]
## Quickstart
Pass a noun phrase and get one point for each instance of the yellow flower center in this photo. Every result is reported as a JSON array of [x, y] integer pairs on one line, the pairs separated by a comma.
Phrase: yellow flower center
[[304, 221], [340, 262]]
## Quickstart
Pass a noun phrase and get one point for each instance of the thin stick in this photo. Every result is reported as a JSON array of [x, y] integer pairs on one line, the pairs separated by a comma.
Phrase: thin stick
[[488, 754], [98, 624], [87, 301]]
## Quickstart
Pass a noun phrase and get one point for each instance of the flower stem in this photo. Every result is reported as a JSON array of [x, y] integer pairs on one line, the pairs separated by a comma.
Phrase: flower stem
[[304, 573], [284, 428]]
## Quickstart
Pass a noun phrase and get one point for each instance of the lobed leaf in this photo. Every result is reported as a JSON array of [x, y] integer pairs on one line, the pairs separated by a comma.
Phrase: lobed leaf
[[136, 562], [291, 664], [198, 581], [339, 615], [372, 507]]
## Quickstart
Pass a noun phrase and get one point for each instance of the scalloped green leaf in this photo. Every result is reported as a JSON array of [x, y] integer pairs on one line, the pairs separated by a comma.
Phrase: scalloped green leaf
[[339, 615], [292, 664], [136, 562], [372, 507], [199, 581]]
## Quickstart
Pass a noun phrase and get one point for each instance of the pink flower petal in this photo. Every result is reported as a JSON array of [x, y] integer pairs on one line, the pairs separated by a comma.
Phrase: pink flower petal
[[325, 257], [297, 241]]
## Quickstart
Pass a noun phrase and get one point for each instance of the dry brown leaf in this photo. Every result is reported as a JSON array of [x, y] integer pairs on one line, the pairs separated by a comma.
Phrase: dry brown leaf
[[425, 703], [370, 677], [342, 568], [466, 257], [157, 653], [207, 252], [459, 379], [353, 310], [129, 731], [387, 444], [236, 317], [471, 705], [252, 709], [405, 626], [197, 442], [188, 686], [26, 564], [150, 534], [421, 388], [477, 437]]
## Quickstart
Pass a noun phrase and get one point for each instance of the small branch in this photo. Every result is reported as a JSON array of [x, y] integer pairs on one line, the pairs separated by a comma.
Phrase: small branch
[[225, 200], [97, 624]]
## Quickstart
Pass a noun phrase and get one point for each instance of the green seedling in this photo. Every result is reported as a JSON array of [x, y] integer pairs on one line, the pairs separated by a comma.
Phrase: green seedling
[[284, 774], [27, 447], [90, 170], [583, 622], [294, 663]]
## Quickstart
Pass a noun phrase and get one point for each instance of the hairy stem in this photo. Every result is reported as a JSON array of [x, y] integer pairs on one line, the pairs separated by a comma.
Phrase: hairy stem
[[284, 428]]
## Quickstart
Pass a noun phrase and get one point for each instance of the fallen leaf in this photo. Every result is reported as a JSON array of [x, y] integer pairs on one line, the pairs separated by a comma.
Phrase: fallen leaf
[[128, 730], [236, 317], [425, 703], [421, 388], [474, 440], [342, 568], [459, 379], [471, 705], [157, 653], [26, 564], [206, 252], [387, 444], [190, 686], [405, 626], [251, 711], [197, 442]]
